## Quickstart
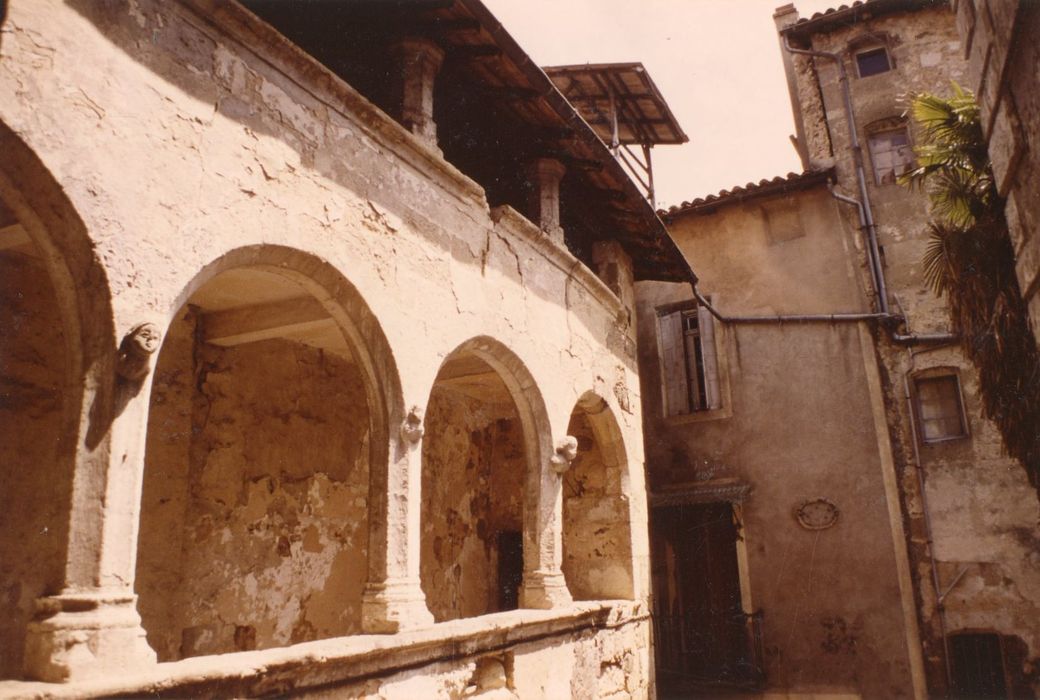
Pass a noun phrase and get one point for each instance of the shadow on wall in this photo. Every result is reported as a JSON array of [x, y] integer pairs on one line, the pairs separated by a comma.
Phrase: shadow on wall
[[597, 538]]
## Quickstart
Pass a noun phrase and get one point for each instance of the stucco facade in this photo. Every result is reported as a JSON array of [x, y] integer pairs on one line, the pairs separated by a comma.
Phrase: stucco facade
[[281, 377], [802, 422]]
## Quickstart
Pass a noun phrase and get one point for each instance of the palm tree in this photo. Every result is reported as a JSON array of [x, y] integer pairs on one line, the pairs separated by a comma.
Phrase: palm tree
[[970, 261]]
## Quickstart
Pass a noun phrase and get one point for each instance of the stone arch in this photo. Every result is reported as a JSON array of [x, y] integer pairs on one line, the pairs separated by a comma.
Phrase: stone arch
[[281, 375], [484, 407], [69, 296], [597, 532]]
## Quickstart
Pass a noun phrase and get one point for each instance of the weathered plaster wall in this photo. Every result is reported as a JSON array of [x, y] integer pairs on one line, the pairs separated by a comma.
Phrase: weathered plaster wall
[[269, 544], [596, 532], [473, 470], [797, 423], [35, 492], [186, 136], [966, 476]]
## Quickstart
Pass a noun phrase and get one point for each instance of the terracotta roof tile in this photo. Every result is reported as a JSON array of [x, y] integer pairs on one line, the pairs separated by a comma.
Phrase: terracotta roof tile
[[780, 183]]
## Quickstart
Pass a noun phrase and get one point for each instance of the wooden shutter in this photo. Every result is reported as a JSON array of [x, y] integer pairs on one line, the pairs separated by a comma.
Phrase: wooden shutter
[[673, 364], [711, 364]]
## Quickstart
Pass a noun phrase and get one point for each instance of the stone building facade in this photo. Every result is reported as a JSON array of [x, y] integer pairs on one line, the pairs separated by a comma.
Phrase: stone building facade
[[882, 544], [999, 39], [319, 369]]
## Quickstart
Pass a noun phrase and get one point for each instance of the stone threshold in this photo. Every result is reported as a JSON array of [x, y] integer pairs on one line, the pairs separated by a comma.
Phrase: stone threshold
[[328, 663]]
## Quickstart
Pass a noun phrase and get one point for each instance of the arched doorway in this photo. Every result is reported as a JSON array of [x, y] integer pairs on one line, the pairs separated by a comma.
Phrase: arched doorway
[[265, 419], [597, 534], [57, 345], [480, 446]]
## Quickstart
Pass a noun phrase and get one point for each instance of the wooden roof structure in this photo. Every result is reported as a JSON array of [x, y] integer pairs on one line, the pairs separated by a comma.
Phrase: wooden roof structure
[[495, 111], [619, 101]]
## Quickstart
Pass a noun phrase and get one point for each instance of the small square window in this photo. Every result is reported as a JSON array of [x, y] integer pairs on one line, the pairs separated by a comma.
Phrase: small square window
[[891, 154], [872, 62], [939, 408]]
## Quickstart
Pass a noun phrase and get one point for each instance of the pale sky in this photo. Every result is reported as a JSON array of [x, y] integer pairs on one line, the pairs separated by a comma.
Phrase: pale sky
[[717, 63]]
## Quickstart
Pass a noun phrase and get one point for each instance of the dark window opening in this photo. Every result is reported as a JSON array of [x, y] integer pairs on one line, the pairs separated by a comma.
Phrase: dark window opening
[[510, 569], [873, 62], [977, 667]]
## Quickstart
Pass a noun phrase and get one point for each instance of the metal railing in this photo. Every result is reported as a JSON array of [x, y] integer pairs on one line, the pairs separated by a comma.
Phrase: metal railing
[[716, 651]]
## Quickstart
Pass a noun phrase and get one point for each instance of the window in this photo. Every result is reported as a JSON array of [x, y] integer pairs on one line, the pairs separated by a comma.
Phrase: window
[[688, 361], [977, 666], [939, 408], [872, 62], [892, 155]]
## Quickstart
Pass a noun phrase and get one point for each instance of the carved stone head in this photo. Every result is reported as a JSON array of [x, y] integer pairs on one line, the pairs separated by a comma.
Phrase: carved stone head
[[135, 352], [412, 427], [566, 451]]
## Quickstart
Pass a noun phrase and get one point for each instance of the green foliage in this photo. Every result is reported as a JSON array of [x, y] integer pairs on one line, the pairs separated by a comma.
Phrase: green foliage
[[970, 260]]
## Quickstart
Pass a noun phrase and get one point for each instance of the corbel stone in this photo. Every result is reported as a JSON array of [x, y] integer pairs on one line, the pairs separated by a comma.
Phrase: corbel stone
[[566, 451], [418, 62], [141, 342], [412, 428], [544, 176]]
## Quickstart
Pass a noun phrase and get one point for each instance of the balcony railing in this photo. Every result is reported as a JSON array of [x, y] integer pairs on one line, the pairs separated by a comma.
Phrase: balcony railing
[[709, 653]]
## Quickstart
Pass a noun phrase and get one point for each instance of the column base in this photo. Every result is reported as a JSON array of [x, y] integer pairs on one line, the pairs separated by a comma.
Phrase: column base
[[78, 635], [393, 606], [544, 590]]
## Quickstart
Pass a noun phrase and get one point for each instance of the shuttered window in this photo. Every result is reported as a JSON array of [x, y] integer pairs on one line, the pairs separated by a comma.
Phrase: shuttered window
[[689, 364]]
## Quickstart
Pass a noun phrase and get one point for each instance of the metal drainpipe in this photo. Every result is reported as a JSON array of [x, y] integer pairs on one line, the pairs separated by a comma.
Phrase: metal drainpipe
[[861, 178]]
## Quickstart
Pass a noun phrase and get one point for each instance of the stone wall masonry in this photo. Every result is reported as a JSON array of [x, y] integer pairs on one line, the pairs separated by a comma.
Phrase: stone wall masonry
[[973, 472], [999, 38], [190, 138]]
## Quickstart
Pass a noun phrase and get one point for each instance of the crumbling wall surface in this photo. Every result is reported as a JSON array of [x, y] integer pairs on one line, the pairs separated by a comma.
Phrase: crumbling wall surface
[[35, 493], [273, 535], [597, 554], [473, 470]]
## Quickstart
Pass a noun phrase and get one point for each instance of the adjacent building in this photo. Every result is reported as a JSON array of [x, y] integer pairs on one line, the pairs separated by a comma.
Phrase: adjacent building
[[830, 512]]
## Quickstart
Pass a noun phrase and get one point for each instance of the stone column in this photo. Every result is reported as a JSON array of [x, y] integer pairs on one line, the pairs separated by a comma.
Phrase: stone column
[[544, 585], [419, 61], [393, 598], [91, 628], [544, 175]]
